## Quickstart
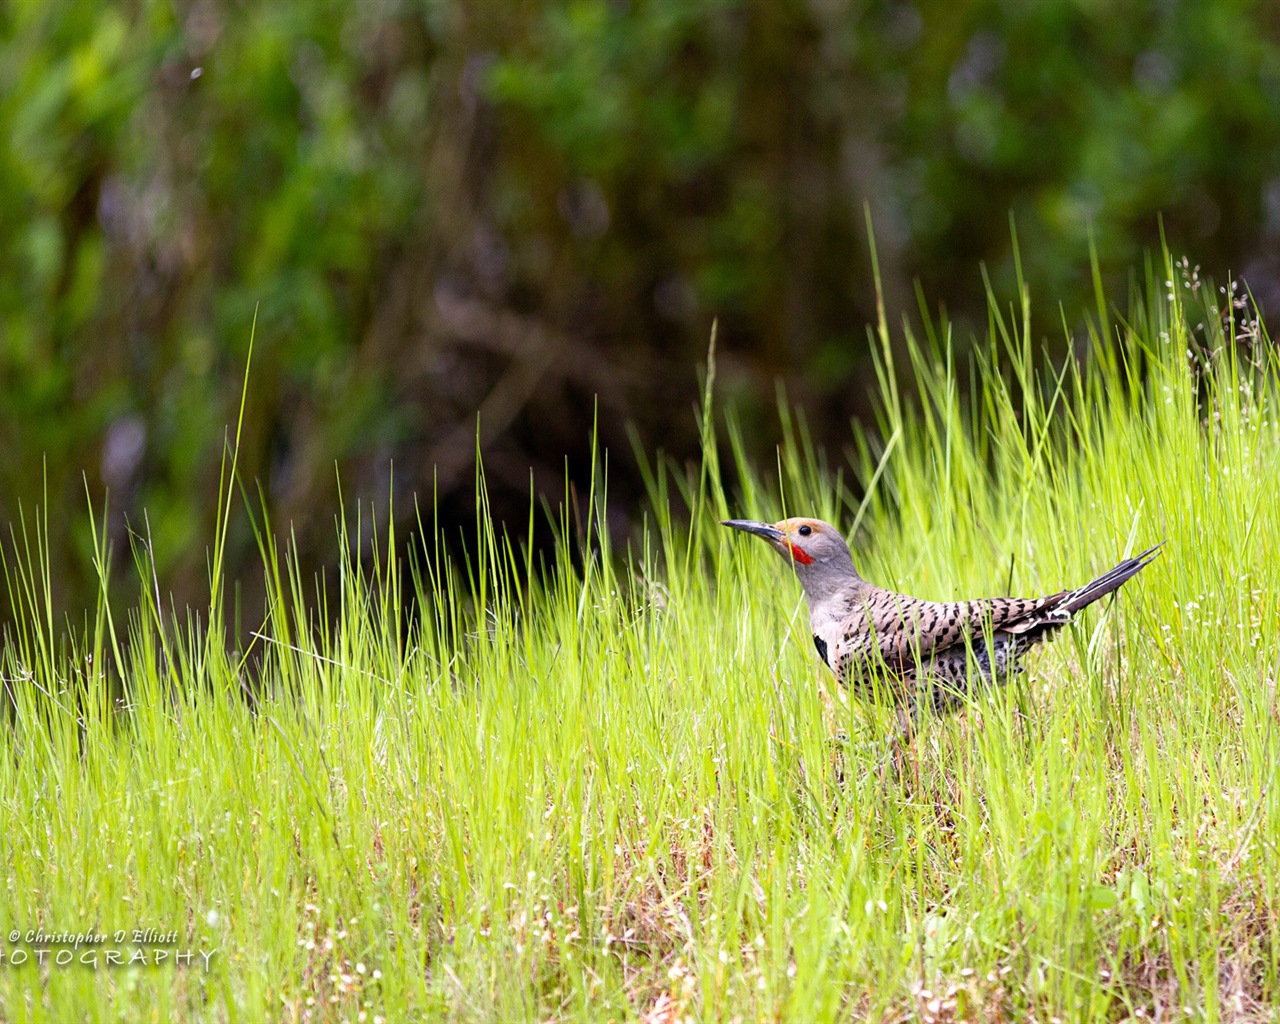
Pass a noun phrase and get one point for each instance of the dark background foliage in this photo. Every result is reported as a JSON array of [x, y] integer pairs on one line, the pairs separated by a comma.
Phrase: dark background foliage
[[451, 212]]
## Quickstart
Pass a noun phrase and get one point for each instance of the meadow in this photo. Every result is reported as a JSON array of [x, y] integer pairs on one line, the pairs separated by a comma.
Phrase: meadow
[[614, 783]]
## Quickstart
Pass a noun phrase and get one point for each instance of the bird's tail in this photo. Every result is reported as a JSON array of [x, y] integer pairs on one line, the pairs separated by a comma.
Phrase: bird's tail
[[1106, 583]]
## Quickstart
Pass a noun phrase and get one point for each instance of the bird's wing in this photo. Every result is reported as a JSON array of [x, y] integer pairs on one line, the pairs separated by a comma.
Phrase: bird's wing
[[904, 631]]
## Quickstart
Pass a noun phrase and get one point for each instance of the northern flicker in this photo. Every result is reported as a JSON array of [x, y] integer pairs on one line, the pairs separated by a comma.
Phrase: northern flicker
[[912, 652]]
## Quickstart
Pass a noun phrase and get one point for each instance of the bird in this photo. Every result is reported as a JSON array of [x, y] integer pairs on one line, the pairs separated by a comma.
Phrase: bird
[[891, 647]]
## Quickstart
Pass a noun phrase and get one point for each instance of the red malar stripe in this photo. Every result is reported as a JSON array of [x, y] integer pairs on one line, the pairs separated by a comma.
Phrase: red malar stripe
[[800, 556]]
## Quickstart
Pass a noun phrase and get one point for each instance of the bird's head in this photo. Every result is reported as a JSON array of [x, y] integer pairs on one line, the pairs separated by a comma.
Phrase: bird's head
[[815, 549]]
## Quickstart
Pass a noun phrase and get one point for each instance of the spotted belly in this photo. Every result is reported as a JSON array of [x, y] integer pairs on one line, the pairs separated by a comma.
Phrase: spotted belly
[[942, 682]]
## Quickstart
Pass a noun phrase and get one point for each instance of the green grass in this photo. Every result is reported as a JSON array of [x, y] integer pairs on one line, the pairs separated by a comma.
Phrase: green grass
[[618, 793]]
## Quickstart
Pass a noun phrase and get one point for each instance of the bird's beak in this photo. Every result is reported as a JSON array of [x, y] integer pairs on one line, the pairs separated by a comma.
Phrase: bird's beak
[[770, 533]]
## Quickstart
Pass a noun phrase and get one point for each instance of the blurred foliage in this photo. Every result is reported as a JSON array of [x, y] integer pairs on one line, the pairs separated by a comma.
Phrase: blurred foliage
[[446, 213]]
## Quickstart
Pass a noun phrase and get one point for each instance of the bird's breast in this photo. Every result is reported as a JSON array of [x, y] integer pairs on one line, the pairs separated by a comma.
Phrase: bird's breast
[[828, 635]]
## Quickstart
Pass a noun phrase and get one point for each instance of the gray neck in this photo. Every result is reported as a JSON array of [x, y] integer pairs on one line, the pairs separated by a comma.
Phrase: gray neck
[[828, 578]]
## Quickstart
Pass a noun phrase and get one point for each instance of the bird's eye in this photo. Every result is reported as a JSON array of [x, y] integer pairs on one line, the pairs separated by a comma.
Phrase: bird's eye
[[804, 531]]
